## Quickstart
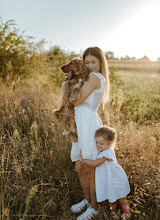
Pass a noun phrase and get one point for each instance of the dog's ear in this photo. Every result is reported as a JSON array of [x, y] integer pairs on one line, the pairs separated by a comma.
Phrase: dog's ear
[[81, 65]]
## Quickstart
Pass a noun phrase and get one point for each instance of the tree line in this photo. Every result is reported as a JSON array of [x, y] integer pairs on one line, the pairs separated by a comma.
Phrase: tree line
[[21, 57]]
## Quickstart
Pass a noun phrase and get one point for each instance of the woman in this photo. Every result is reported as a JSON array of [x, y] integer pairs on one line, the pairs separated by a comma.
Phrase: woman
[[93, 92]]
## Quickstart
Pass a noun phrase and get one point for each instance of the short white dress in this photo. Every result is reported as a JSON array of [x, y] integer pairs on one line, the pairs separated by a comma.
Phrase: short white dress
[[110, 179], [87, 122]]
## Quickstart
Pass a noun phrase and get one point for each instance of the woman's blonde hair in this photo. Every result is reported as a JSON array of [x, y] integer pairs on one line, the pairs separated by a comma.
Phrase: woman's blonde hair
[[97, 52], [108, 133]]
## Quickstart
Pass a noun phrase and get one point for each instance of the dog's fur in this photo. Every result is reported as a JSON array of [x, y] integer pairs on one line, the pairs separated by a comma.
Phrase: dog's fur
[[65, 116]]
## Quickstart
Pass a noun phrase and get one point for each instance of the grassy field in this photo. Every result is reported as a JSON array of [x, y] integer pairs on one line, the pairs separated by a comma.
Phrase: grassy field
[[38, 180], [141, 95], [136, 65], [141, 83]]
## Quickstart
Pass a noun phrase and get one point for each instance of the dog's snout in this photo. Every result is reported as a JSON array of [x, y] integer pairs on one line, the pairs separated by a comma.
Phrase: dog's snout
[[62, 67]]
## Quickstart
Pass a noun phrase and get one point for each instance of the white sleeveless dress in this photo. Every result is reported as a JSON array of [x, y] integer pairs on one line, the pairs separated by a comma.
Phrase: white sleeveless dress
[[87, 122], [110, 179]]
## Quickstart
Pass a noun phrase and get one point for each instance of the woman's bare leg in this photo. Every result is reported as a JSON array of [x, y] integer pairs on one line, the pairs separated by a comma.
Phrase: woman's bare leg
[[84, 180], [113, 206], [91, 175]]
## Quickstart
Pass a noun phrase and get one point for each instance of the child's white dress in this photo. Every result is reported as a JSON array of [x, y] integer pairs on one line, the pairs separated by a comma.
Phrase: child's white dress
[[111, 180], [88, 121]]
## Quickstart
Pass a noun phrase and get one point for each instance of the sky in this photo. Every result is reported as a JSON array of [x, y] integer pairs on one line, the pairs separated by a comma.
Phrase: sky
[[125, 27]]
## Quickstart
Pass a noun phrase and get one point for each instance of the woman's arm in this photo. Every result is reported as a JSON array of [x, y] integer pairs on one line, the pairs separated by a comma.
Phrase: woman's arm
[[92, 83]]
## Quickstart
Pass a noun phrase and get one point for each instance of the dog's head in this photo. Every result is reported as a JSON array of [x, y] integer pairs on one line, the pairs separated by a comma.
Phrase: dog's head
[[75, 68]]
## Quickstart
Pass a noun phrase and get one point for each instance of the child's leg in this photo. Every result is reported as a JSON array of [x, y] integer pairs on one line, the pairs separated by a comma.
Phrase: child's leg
[[113, 206], [124, 205]]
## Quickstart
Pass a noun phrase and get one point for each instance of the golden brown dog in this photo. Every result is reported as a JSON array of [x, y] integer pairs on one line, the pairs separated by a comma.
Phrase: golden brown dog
[[77, 74]]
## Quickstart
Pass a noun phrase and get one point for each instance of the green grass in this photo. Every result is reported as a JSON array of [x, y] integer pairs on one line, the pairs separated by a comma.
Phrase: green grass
[[141, 95], [140, 83]]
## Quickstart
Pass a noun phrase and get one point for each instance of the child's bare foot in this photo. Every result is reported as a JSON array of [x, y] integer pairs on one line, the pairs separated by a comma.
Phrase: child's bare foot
[[125, 209], [126, 213]]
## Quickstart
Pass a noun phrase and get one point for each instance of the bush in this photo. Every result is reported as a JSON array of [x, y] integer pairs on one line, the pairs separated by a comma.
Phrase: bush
[[19, 56], [57, 58]]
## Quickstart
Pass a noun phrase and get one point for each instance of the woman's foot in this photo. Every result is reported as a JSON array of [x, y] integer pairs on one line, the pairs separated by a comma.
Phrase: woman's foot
[[79, 206], [90, 213]]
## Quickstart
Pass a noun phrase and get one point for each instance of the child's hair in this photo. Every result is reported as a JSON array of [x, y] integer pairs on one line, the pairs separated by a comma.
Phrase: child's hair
[[108, 133]]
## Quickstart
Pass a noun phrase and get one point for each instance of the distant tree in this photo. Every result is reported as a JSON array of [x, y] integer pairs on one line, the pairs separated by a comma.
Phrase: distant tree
[[133, 58], [55, 52], [158, 60], [56, 58], [125, 58], [145, 58], [109, 55]]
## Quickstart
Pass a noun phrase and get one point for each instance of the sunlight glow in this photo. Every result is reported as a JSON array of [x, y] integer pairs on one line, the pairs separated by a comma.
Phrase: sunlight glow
[[139, 34]]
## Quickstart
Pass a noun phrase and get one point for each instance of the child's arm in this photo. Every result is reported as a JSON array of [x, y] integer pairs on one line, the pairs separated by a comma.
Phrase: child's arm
[[95, 163]]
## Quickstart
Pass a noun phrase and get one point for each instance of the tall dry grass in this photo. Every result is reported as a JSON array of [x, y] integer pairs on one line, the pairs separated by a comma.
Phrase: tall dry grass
[[38, 180]]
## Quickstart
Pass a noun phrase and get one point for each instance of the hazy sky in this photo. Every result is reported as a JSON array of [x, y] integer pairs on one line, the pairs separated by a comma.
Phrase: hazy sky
[[126, 27]]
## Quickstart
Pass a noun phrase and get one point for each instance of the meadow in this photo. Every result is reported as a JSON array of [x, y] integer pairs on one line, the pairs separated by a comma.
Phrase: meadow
[[141, 64], [142, 95], [38, 179]]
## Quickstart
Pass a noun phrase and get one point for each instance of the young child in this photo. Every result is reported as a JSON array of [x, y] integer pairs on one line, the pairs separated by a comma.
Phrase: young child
[[110, 179]]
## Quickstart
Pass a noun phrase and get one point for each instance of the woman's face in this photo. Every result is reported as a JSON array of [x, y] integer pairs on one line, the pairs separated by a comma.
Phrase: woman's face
[[92, 63]]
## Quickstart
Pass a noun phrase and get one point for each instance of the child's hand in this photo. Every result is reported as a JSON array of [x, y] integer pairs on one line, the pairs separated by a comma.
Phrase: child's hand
[[109, 160]]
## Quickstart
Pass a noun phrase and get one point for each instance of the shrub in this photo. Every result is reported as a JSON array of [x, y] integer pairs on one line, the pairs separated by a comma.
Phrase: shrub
[[19, 56]]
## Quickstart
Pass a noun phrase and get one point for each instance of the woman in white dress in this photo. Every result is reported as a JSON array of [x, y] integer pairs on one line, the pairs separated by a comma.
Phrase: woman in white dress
[[94, 91], [110, 179]]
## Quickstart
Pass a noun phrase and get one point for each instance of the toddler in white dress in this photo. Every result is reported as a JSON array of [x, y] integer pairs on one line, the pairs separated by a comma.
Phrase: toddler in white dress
[[110, 179]]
